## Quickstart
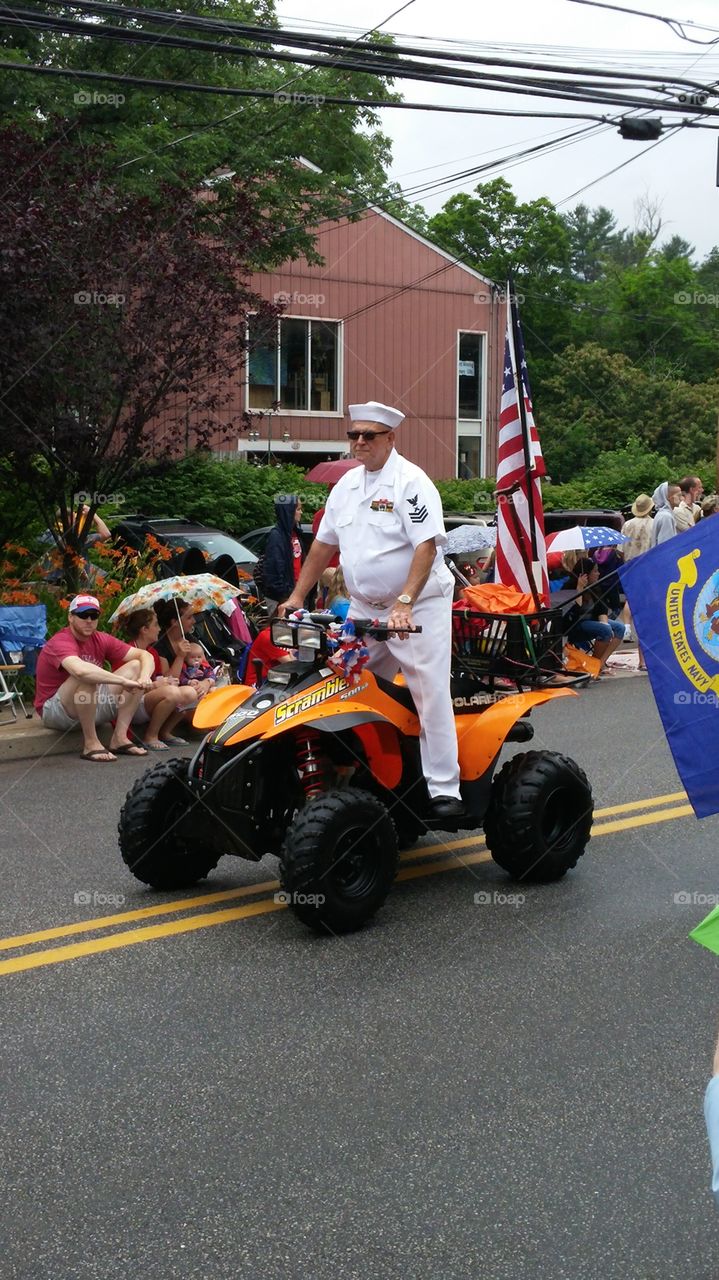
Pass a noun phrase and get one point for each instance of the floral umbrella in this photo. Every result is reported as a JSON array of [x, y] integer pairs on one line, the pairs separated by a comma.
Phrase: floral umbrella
[[467, 538], [199, 590]]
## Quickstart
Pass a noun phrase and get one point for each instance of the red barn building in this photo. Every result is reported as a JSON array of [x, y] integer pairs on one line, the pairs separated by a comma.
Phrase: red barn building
[[387, 316]]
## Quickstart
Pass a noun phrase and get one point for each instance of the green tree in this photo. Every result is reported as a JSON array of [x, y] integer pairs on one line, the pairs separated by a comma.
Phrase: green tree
[[497, 234], [595, 400], [590, 234], [151, 138]]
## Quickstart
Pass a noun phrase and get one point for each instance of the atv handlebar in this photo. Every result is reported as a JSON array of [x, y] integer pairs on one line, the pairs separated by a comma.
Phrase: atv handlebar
[[363, 626]]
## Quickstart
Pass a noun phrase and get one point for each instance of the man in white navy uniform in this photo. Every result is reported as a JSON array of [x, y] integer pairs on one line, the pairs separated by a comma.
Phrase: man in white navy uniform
[[386, 519]]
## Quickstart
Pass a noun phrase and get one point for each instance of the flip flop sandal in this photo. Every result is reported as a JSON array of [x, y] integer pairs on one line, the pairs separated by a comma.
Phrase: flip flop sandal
[[128, 749], [155, 746], [175, 742], [96, 756]]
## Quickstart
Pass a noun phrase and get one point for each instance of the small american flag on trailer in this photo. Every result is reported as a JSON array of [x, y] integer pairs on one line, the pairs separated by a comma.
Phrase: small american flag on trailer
[[512, 470]]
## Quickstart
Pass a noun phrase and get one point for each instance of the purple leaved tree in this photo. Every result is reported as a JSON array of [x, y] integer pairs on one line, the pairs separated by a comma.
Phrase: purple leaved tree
[[116, 311]]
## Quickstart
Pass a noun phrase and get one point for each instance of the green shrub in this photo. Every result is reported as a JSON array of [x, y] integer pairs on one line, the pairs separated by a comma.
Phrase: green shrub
[[234, 496]]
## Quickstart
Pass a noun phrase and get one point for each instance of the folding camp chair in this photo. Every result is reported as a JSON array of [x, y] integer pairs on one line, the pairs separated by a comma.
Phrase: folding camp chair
[[23, 629]]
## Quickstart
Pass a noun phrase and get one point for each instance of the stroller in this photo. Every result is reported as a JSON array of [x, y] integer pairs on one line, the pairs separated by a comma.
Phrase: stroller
[[212, 630]]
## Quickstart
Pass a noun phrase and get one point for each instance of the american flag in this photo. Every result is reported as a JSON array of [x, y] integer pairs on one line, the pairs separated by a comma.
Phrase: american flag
[[510, 565]]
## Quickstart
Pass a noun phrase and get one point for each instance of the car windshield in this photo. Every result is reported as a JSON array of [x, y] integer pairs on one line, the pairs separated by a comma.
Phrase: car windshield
[[216, 544]]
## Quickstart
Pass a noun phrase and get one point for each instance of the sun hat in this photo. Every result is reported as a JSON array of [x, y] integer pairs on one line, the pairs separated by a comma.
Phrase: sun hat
[[373, 411], [84, 604], [642, 505]]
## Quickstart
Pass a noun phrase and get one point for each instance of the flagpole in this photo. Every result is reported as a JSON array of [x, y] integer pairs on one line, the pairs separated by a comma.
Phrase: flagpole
[[526, 445], [508, 495]]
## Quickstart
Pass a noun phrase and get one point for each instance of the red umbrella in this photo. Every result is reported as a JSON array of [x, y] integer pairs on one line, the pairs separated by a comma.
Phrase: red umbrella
[[331, 472]]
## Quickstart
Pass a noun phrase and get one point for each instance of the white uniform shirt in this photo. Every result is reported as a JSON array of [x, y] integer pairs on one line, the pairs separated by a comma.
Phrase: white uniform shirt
[[378, 519]]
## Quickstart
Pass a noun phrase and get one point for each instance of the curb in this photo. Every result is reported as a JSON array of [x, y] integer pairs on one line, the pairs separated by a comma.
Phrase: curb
[[28, 740]]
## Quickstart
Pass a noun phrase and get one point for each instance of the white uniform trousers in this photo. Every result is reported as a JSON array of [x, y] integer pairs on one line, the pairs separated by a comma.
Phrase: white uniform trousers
[[425, 664]]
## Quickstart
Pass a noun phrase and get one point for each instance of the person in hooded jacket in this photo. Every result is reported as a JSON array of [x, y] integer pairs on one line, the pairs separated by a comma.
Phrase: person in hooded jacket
[[283, 552], [665, 498]]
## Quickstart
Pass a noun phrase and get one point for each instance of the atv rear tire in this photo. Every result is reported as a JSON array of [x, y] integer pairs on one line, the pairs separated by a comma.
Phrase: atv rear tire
[[155, 840], [339, 860], [539, 817]]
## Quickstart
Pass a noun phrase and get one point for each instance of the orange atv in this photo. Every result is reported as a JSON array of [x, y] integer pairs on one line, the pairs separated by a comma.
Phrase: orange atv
[[325, 773]]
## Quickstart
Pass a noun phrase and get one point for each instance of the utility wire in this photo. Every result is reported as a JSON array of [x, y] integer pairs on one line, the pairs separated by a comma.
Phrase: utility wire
[[675, 25], [276, 94]]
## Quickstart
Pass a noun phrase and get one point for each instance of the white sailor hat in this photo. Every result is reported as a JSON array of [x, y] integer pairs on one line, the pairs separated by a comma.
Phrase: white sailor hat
[[373, 411]]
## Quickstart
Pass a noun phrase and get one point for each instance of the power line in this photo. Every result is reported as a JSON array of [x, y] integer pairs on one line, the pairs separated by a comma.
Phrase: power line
[[637, 156], [675, 25], [376, 60], [277, 94]]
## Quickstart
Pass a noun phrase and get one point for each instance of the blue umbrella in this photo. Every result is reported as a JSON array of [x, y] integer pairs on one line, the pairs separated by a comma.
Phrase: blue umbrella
[[585, 538]]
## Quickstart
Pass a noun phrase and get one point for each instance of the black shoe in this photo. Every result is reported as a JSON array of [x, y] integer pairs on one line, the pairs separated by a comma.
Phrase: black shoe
[[445, 807]]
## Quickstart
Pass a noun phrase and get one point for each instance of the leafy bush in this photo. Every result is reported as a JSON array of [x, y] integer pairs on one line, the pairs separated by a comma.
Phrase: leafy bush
[[234, 496], [467, 495], [620, 475]]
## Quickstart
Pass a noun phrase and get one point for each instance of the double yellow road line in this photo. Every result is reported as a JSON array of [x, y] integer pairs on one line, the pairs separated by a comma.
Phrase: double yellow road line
[[417, 862]]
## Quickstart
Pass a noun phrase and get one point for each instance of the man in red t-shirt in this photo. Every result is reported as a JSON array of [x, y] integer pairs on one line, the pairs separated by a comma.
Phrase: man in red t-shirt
[[73, 688]]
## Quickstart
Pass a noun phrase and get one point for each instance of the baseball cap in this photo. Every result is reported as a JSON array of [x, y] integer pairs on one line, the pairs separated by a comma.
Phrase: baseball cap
[[84, 604]]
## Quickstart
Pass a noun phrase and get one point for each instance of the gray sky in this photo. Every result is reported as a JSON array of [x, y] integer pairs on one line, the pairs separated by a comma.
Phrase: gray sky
[[680, 173]]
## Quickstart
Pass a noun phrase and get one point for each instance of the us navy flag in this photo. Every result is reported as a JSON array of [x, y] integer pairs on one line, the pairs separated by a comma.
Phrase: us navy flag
[[673, 593]]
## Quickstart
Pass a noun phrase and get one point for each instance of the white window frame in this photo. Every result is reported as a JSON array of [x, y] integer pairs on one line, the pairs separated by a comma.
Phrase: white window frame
[[303, 413], [473, 426]]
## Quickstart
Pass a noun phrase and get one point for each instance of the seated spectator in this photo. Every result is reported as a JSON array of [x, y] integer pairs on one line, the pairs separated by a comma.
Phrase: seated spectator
[[559, 566], [196, 668], [608, 560], [166, 702], [72, 687], [587, 622], [176, 621]]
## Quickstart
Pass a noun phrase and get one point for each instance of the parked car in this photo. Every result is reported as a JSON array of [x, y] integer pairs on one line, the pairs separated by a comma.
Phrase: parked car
[[256, 539], [553, 520], [185, 533]]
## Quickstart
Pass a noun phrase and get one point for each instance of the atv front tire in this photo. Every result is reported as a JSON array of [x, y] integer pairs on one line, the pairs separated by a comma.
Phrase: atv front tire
[[539, 817], [157, 841], [339, 860]]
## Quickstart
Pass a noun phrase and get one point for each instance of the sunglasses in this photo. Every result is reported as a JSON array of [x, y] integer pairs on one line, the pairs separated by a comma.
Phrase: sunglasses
[[365, 435], [92, 615]]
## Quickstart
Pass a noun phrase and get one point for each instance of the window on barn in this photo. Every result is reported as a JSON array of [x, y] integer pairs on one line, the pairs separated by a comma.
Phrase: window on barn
[[470, 397], [295, 366]]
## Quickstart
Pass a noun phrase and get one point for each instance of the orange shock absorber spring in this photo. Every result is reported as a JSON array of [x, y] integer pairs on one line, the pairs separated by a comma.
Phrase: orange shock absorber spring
[[312, 764]]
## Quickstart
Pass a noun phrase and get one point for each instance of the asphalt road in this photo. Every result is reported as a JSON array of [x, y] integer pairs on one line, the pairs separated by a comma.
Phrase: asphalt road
[[502, 1089]]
